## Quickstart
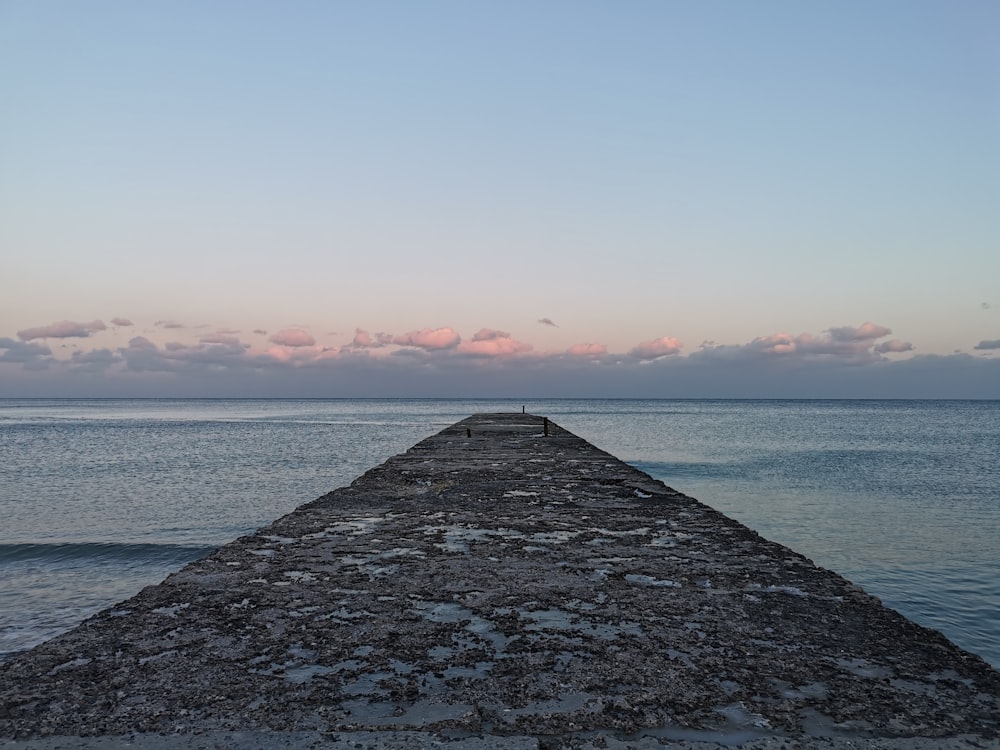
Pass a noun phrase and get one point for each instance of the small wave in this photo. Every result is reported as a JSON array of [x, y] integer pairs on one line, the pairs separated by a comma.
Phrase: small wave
[[689, 470], [102, 551]]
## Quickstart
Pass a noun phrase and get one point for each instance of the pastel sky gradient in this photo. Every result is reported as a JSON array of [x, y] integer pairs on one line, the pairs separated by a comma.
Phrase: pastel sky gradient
[[452, 198]]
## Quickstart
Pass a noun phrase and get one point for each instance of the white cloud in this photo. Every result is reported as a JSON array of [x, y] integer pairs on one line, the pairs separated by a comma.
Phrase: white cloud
[[62, 330], [17, 351], [95, 360], [143, 355], [894, 346], [141, 342], [220, 338], [844, 344], [587, 350]]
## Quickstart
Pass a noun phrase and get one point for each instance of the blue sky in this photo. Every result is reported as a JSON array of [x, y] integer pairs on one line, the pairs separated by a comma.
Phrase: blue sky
[[608, 199]]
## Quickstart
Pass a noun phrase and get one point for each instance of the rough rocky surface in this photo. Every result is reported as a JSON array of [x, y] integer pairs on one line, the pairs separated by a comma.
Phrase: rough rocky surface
[[497, 587]]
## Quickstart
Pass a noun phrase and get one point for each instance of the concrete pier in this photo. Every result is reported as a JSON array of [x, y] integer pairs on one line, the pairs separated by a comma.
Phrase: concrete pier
[[496, 587]]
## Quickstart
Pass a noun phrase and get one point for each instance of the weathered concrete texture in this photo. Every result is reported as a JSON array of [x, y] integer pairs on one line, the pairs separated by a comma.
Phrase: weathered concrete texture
[[504, 588], [412, 740]]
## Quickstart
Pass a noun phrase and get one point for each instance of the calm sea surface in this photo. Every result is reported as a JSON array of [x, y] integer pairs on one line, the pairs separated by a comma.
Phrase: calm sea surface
[[100, 498]]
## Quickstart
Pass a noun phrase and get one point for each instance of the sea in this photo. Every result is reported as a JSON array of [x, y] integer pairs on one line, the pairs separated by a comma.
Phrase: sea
[[99, 498]]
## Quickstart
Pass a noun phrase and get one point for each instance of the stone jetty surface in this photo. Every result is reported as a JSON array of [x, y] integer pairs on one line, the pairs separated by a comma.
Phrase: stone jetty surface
[[497, 587]]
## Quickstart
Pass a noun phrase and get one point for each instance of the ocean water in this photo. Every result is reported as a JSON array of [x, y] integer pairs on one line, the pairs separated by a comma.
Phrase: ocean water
[[99, 498]]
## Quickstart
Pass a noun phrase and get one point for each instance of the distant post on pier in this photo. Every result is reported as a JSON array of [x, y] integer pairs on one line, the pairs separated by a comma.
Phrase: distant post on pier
[[545, 424]]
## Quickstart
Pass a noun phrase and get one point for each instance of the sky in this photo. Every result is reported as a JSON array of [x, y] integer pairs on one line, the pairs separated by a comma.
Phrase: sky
[[500, 199]]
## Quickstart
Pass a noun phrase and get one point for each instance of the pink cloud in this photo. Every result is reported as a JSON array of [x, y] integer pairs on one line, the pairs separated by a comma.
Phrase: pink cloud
[[64, 329], [492, 362], [121, 322], [428, 338], [168, 324], [894, 346], [260, 331], [365, 340], [490, 343], [661, 347], [440, 351], [293, 337], [489, 334], [864, 332], [587, 350], [276, 352], [301, 356], [776, 343]]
